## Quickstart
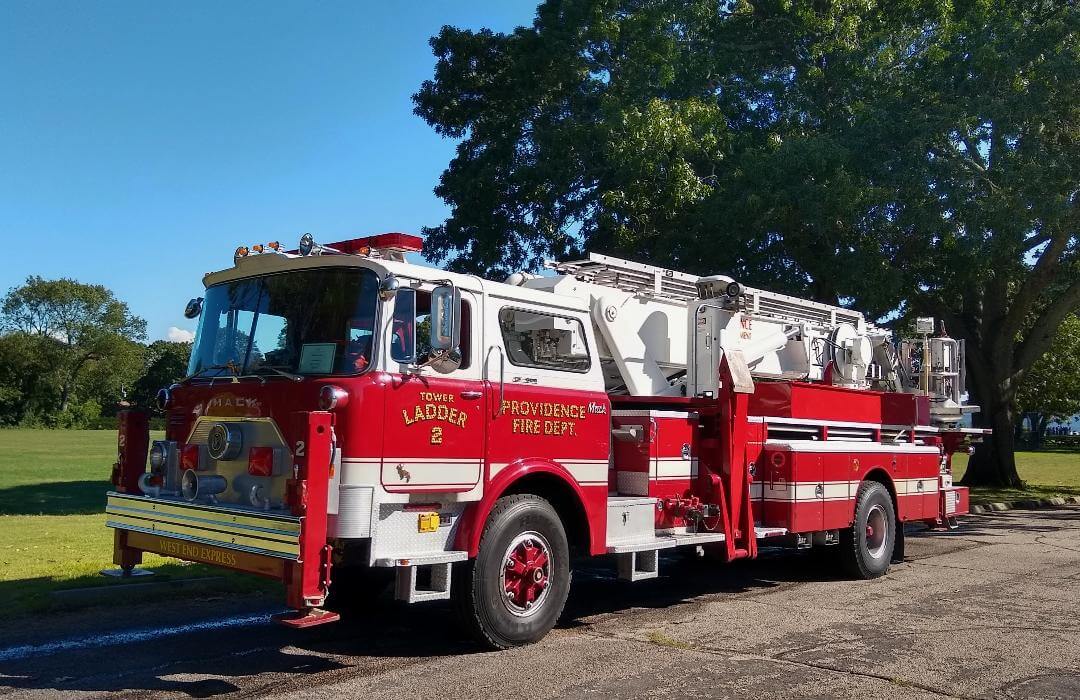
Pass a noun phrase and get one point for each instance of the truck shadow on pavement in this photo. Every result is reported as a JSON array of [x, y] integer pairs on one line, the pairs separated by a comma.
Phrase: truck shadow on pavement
[[208, 662], [1001, 523], [258, 656]]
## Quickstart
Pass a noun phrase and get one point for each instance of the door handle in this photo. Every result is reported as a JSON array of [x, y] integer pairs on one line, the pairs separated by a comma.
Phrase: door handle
[[470, 394], [502, 376]]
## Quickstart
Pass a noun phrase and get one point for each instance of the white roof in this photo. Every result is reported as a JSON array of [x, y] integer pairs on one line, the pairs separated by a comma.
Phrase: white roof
[[269, 263]]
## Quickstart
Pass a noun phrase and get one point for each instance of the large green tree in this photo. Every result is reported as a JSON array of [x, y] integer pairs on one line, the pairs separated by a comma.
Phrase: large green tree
[[82, 328], [1051, 389], [164, 363], [907, 157]]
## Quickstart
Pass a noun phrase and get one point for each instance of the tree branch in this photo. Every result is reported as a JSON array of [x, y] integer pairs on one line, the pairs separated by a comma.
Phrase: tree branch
[[1043, 331], [1042, 274], [1036, 281]]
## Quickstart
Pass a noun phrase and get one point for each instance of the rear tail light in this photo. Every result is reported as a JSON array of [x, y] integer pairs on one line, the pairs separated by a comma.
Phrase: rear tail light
[[189, 457], [261, 461]]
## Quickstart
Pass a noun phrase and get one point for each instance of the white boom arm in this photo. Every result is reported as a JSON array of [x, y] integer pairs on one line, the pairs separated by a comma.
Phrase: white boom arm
[[663, 332]]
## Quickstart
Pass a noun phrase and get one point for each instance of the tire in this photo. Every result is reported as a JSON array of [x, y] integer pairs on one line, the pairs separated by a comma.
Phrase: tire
[[503, 606], [866, 548]]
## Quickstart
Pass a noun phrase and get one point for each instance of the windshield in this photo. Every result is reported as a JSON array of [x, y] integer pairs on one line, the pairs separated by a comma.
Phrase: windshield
[[305, 322]]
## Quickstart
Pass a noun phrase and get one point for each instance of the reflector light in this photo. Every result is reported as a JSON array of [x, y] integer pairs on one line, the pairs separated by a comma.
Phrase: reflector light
[[241, 252], [274, 245], [189, 457], [257, 249], [261, 461]]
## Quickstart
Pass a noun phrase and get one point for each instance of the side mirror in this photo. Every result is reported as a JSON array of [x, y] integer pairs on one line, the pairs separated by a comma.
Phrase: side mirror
[[445, 328], [193, 308], [388, 287]]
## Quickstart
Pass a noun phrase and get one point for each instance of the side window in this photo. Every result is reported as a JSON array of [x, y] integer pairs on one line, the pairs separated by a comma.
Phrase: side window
[[545, 341], [411, 328], [403, 346]]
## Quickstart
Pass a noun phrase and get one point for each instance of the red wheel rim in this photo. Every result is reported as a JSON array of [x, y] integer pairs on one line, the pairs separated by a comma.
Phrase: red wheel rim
[[526, 573]]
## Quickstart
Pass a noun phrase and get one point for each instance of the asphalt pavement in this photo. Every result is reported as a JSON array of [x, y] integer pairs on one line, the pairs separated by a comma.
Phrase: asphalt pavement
[[989, 610]]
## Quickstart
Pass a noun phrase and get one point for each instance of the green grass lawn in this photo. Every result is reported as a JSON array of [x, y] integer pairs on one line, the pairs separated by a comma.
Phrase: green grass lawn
[[52, 522], [1046, 474]]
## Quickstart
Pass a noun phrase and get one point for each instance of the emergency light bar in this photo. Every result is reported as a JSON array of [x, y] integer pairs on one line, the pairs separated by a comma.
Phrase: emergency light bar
[[390, 245], [398, 242]]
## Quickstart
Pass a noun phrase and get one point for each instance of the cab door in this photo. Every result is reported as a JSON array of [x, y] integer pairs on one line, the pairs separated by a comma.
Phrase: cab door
[[435, 432]]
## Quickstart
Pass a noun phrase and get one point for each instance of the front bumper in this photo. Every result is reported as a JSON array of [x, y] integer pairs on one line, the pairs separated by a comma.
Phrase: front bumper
[[250, 541]]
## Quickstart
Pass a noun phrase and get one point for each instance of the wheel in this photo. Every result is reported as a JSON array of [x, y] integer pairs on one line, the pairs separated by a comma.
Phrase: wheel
[[514, 591], [867, 547]]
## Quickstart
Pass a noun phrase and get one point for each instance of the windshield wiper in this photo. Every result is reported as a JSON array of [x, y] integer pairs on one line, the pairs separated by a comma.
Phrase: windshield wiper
[[272, 368], [230, 365]]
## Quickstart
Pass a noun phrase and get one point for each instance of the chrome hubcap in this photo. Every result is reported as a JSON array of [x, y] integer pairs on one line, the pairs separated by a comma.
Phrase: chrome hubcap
[[877, 532]]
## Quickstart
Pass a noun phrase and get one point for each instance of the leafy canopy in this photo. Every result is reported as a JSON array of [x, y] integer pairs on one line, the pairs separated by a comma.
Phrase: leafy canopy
[[65, 348], [904, 156]]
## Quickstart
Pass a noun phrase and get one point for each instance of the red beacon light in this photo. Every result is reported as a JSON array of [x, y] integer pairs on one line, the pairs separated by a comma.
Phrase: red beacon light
[[397, 242], [261, 461], [382, 243], [189, 457]]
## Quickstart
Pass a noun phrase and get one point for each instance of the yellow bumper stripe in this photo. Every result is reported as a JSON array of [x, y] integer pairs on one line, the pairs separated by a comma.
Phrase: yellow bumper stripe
[[277, 536]]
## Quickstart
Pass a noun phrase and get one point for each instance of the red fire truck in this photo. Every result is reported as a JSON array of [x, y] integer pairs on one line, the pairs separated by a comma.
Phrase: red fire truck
[[346, 410]]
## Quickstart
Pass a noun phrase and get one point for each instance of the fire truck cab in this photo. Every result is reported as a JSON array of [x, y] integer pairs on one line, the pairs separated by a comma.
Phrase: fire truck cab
[[345, 409]]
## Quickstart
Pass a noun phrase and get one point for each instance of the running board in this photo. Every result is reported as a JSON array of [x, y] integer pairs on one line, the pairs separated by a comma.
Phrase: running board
[[423, 558], [640, 560], [766, 532], [665, 542]]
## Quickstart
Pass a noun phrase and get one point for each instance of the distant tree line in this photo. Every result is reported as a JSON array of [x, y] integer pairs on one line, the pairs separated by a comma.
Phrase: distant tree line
[[70, 353]]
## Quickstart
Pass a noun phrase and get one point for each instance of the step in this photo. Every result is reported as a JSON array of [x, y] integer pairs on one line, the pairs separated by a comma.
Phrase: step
[[423, 558], [765, 532], [435, 585], [665, 542]]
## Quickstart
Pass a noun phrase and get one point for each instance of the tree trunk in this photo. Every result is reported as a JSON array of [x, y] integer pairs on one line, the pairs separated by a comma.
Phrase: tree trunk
[[992, 388], [65, 396], [1038, 431], [994, 461]]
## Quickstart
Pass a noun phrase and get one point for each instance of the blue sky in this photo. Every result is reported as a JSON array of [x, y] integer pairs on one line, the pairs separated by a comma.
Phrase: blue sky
[[141, 142]]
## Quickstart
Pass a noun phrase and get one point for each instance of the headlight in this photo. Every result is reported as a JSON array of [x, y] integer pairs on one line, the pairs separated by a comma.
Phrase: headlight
[[164, 399], [159, 455], [331, 397], [224, 441]]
